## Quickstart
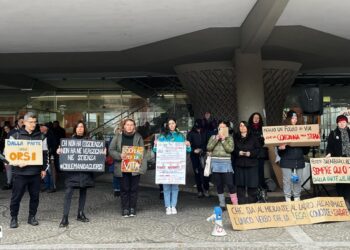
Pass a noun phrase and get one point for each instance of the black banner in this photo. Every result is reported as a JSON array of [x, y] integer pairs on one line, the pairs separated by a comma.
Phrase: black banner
[[82, 155]]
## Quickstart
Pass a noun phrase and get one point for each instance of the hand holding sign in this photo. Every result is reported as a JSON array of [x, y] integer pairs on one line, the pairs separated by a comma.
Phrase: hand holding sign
[[282, 146]]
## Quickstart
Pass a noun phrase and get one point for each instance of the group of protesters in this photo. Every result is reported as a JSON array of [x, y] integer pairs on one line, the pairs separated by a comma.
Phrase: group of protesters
[[237, 163]]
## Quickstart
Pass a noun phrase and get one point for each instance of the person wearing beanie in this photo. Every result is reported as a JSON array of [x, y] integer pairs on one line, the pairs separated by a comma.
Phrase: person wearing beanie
[[292, 162], [339, 146]]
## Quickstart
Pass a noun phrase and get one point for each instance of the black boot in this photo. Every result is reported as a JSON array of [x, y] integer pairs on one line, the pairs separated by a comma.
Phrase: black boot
[[32, 221], [64, 221], [117, 193], [81, 217], [14, 222]]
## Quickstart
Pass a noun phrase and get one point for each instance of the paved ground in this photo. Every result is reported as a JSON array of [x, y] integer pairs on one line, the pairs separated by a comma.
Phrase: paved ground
[[151, 228]]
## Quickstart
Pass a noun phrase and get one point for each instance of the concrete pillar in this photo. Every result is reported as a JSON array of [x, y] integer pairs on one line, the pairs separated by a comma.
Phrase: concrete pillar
[[249, 84], [233, 93], [278, 77], [210, 87]]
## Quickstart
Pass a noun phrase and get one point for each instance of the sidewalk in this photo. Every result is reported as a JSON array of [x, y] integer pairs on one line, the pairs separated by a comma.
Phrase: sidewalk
[[151, 228]]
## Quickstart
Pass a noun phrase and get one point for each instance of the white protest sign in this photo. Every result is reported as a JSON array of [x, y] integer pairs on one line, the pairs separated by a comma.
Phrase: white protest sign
[[171, 163]]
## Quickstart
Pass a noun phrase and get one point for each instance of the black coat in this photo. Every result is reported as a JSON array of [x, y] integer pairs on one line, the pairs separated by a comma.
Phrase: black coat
[[79, 179], [263, 151], [197, 140], [293, 157], [249, 143], [334, 145]]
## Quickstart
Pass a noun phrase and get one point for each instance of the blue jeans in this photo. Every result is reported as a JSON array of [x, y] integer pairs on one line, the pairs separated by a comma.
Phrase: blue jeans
[[171, 192], [48, 180], [116, 183]]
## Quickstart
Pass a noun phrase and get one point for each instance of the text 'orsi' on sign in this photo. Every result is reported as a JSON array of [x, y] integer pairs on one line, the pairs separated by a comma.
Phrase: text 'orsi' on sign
[[24, 152]]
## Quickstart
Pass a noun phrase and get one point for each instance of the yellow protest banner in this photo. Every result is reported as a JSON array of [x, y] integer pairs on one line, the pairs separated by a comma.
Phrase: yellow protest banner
[[330, 170], [283, 214], [293, 135], [133, 159], [24, 152]]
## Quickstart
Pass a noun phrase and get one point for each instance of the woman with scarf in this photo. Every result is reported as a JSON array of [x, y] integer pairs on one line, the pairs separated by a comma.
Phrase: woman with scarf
[[255, 124], [129, 182], [339, 146]]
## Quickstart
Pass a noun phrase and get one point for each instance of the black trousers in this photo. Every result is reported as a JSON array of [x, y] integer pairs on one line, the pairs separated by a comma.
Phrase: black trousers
[[129, 186], [222, 179], [261, 163], [68, 199], [246, 197], [201, 180], [19, 186]]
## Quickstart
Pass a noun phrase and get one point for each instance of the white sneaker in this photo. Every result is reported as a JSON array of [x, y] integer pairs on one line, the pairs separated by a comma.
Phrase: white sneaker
[[168, 211], [173, 210], [206, 193], [211, 184]]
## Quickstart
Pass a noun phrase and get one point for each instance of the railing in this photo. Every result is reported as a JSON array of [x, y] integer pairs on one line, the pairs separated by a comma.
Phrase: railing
[[112, 122]]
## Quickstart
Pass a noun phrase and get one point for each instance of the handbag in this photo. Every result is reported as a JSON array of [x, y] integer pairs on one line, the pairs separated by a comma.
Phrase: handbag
[[207, 169]]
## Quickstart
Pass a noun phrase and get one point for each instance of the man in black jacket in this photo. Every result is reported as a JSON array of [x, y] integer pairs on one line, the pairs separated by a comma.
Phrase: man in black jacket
[[27, 176]]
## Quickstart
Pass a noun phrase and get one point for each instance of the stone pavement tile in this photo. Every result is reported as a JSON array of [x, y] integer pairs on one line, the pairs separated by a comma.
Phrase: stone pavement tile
[[150, 229], [339, 231]]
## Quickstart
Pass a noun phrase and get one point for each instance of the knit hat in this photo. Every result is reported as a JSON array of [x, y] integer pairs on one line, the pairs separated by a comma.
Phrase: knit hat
[[342, 118], [291, 113]]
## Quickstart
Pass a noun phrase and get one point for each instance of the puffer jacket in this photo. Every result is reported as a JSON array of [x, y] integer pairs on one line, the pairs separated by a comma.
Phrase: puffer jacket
[[293, 157], [218, 148], [115, 150]]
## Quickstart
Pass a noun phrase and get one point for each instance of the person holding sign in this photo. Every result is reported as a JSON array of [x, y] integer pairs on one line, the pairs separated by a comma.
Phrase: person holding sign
[[246, 151], [76, 180], [27, 176], [221, 147], [171, 191], [292, 163], [339, 146], [129, 181]]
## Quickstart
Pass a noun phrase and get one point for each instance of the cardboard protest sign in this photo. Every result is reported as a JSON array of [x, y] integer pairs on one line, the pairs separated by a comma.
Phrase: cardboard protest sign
[[23, 152], [330, 170], [133, 161], [283, 214], [82, 155], [171, 163], [293, 135]]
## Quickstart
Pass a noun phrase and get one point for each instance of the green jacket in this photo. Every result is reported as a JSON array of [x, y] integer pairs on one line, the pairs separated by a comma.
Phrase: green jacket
[[220, 148], [115, 150]]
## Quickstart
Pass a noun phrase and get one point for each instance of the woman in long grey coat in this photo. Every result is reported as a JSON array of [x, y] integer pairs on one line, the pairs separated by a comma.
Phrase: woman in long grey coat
[[129, 182]]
